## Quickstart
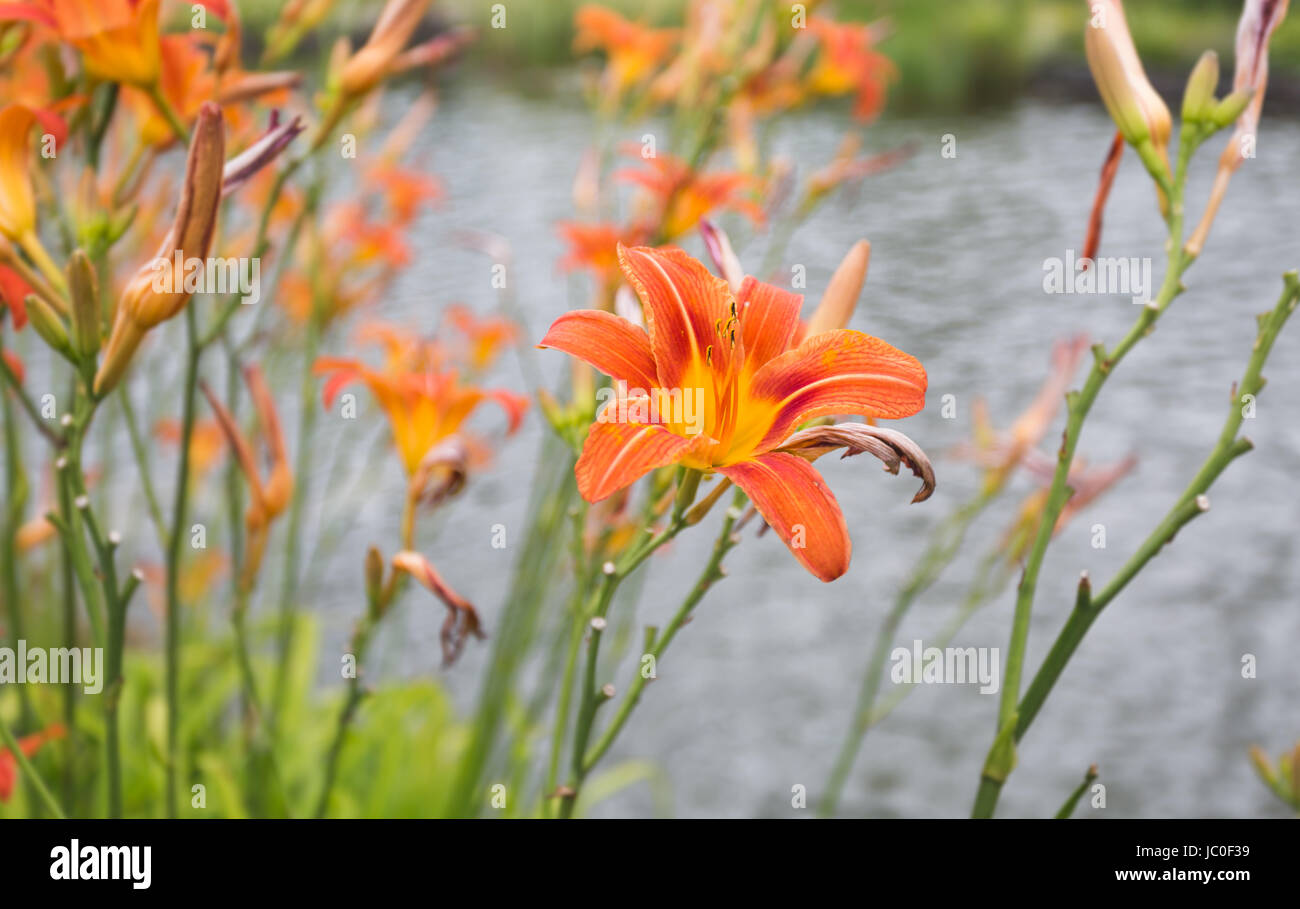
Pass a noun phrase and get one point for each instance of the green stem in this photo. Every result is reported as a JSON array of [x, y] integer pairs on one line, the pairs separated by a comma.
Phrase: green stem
[[168, 112], [29, 772], [1191, 503], [142, 465], [347, 713], [180, 506], [942, 549], [293, 540], [1079, 404], [1072, 801], [712, 573], [562, 709], [594, 619], [17, 490]]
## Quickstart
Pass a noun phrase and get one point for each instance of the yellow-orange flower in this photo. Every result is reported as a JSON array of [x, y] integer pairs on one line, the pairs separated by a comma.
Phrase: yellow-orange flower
[[848, 64], [750, 392], [118, 39], [635, 51], [17, 200], [682, 196], [425, 401]]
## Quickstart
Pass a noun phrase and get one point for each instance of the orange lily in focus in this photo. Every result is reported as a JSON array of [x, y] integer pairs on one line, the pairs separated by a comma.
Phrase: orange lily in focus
[[29, 745], [267, 500], [732, 354], [118, 39]]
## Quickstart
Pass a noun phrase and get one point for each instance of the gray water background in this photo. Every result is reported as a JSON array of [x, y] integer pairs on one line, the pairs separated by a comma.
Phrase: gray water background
[[755, 694]]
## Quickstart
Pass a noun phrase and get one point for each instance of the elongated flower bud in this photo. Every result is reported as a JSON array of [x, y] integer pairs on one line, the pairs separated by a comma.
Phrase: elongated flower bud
[[1198, 98], [1259, 18], [156, 293], [85, 304], [371, 64], [841, 297], [48, 325], [1133, 104]]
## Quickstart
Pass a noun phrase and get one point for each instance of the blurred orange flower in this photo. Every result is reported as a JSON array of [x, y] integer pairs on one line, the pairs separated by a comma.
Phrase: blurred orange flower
[[849, 64], [634, 51], [683, 196], [425, 401], [118, 39]]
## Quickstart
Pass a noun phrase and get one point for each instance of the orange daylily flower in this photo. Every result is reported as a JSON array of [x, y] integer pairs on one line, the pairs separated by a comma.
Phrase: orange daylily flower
[[634, 50], [267, 499], [595, 247], [848, 63], [486, 336], [426, 402], [404, 190], [29, 745], [118, 39], [732, 355], [684, 196], [17, 200], [187, 79]]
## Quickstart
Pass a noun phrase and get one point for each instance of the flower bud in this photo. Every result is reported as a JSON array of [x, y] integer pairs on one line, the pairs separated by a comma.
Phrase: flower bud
[[1133, 104], [142, 305], [48, 325], [85, 304], [841, 296], [1198, 97], [371, 64], [1226, 111]]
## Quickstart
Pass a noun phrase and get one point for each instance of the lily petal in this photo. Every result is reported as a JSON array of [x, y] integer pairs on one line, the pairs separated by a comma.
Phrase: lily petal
[[792, 497], [618, 454], [839, 372], [688, 312], [889, 445], [608, 342], [769, 318]]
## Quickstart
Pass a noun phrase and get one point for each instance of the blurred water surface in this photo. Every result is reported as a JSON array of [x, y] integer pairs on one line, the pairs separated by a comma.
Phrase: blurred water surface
[[755, 694]]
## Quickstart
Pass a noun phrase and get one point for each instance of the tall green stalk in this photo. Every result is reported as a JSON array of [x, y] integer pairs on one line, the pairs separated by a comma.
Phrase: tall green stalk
[[180, 510]]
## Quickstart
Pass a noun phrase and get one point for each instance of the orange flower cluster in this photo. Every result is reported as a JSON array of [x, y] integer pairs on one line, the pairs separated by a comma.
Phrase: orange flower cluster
[[732, 64]]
